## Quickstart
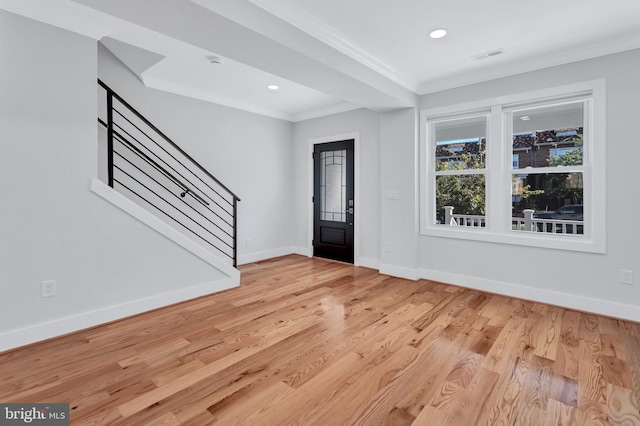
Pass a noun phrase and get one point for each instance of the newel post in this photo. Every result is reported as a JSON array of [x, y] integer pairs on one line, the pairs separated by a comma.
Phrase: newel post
[[448, 216], [110, 138], [528, 219]]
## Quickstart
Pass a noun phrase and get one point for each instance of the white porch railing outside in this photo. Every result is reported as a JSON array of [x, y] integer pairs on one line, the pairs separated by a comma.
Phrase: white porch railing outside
[[526, 223], [468, 220]]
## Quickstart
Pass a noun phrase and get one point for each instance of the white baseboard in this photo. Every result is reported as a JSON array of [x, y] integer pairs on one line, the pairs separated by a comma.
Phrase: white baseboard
[[263, 255], [58, 327], [566, 300], [400, 272], [303, 251]]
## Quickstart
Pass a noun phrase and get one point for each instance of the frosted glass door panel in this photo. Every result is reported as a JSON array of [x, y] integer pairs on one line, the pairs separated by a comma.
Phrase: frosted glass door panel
[[333, 181]]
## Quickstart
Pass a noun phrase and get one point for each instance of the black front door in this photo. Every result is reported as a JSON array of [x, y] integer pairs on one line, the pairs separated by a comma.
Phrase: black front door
[[333, 204]]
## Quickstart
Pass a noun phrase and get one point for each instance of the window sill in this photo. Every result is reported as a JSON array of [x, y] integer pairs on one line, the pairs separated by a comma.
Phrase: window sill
[[530, 239]]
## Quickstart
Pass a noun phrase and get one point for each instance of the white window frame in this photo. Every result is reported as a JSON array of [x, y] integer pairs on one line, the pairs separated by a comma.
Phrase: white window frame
[[498, 168]]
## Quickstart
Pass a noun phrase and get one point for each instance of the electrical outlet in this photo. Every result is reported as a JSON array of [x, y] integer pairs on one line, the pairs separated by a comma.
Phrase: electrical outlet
[[389, 246], [626, 276], [248, 242], [48, 288]]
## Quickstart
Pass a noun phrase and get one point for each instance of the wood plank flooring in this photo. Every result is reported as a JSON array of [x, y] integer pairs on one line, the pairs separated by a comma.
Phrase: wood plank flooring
[[312, 342]]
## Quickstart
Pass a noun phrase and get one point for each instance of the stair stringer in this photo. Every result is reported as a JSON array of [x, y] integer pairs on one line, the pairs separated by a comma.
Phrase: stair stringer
[[155, 223]]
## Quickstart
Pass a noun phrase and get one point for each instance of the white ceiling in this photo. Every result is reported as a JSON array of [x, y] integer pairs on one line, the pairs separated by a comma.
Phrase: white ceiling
[[334, 55], [393, 36]]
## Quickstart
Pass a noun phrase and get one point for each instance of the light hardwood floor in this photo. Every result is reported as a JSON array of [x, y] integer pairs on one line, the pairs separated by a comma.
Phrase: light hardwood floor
[[313, 342]]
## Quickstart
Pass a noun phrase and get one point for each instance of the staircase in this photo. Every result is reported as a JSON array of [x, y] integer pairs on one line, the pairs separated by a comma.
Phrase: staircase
[[152, 171]]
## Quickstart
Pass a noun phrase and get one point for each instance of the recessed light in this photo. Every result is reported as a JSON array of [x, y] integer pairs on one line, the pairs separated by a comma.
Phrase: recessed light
[[273, 87], [525, 118], [438, 33]]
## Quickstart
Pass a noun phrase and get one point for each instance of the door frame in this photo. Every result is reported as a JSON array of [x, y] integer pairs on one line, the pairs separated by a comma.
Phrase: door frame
[[356, 190]]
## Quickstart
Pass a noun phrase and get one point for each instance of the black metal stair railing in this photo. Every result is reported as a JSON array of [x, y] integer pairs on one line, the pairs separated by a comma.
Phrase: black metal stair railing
[[149, 168]]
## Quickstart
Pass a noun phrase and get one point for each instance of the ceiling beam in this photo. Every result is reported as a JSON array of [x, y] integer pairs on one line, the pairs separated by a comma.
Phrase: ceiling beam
[[313, 64]]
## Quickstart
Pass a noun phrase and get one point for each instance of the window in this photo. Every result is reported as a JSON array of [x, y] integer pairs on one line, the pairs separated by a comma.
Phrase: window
[[552, 174], [522, 170], [459, 150]]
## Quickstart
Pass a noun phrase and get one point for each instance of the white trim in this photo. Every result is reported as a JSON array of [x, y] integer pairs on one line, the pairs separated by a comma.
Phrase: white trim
[[155, 223], [207, 96], [54, 328], [497, 173], [548, 60], [356, 189], [179, 89], [266, 254], [556, 298], [306, 22], [400, 272], [322, 112], [302, 251]]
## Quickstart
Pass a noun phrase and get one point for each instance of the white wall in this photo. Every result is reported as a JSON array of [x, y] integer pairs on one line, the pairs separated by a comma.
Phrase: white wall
[[582, 280], [398, 191], [107, 264], [367, 125], [249, 153], [52, 227]]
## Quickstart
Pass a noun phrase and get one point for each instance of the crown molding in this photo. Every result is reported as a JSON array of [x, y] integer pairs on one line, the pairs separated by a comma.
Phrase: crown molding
[[321, 112], [297, 17], [564, 57], [170, 87], [178, 89]]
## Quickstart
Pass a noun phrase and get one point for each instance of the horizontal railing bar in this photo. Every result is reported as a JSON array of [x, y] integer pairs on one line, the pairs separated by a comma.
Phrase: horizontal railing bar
[[128, 144], [167, 201], [151, 161], [132, 109], [158, 175], [558, 221], [167, 164], [158, 167], [171, 192], [172, 218], [167, 214]]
